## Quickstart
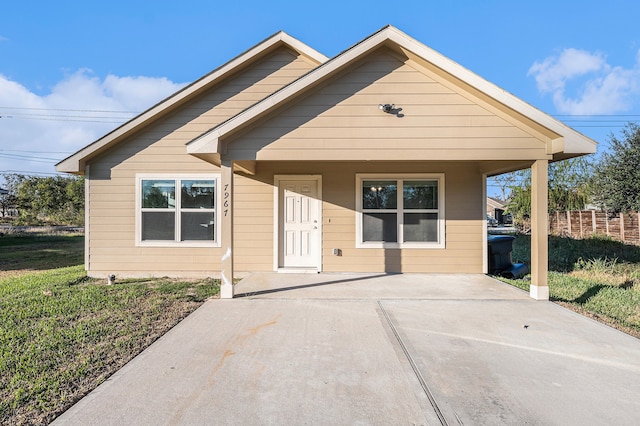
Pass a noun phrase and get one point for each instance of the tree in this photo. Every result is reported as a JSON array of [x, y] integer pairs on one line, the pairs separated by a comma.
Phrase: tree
[[570, 187], [519, 205], [570, 183], [505, 182], [8, 199], [617, 180], [57, 200]]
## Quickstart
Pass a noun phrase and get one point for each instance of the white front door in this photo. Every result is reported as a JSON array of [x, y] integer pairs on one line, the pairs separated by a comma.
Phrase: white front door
[[300, 233]]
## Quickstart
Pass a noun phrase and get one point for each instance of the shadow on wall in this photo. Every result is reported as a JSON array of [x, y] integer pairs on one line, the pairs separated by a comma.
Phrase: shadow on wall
[[392, 260], [463, 210]]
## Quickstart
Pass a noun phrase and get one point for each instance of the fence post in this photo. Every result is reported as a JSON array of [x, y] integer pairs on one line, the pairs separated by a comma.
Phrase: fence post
[[580, 220], [622, 227], [569, 222], [593, 222]]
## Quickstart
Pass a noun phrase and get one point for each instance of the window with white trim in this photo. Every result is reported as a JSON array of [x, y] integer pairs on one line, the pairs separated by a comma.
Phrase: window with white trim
[[400, 211], [177, 210]]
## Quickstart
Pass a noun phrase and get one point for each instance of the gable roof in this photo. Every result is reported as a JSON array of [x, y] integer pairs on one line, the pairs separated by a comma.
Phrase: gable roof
[[76, 162], [495, 203], [564, 142]]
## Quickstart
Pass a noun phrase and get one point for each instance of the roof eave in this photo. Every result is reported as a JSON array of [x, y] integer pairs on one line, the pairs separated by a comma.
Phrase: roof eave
[[75, 162], [276, 99], [571, 142], [567, 141]]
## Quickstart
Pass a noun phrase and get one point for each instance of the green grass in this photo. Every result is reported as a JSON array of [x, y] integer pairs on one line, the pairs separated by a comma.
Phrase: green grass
[[598, 277], [62, 334], [20, 252]]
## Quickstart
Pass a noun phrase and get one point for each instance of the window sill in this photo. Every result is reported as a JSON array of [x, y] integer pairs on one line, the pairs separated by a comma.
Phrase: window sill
[[174, 244], [375, 245]]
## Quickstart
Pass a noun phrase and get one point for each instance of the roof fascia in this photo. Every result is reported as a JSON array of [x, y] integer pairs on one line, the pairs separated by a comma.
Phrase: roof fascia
[[211, 141], [571, 141], [75, 163], [568, 142]]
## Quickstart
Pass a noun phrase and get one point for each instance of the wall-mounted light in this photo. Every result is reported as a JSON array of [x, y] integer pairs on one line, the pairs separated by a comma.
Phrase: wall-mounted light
[[388, 108]]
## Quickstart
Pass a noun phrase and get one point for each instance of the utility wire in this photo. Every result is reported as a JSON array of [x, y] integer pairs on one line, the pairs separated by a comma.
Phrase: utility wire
[[66, 114], [32, 160], [71, 110], [31, 173], [35, 152]]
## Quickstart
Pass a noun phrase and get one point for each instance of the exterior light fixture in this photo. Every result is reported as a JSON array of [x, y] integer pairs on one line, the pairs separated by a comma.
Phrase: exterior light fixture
[[388, 108]]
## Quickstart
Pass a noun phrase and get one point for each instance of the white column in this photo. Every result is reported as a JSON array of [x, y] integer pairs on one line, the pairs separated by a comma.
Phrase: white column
[[226, 237], [539, 238]]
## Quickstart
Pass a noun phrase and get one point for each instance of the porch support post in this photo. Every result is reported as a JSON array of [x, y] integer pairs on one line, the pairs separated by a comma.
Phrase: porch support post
[[539, 289], [226, 233]]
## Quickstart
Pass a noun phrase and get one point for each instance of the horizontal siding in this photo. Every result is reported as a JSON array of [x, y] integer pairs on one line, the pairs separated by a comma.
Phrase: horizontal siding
[[342, 120], [112, 241], [161, 148], [254, 225], [464, 245]]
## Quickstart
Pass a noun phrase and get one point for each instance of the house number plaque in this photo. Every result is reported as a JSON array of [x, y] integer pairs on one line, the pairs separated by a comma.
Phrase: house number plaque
[[226, 196]]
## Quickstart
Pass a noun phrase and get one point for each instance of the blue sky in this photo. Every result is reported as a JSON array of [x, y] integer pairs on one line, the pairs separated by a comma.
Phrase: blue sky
[[70, 71]]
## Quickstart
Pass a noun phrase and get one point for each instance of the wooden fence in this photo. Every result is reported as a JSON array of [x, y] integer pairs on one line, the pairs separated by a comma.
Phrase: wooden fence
[[585, 223]]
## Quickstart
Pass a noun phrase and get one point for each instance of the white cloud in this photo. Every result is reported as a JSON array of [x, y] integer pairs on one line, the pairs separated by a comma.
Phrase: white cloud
[[599, 88], [78, 110]]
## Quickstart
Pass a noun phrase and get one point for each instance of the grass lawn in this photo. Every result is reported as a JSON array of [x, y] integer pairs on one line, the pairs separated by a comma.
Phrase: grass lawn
[[20, 254], [62, 334], [597, 277]]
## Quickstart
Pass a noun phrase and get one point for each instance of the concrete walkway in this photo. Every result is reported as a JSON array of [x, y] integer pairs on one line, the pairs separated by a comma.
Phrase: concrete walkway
[[338, 349]]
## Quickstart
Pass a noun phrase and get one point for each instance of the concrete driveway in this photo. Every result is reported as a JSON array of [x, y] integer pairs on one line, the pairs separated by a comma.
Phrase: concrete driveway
[[343, 349]]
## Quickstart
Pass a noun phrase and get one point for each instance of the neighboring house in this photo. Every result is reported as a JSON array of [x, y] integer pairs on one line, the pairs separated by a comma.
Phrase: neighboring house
[[283, 160], [495, 210]]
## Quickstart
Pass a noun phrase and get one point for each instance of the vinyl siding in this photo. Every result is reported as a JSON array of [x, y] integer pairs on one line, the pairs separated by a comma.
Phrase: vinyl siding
[[160, 148], [340, 120], [254, 226]]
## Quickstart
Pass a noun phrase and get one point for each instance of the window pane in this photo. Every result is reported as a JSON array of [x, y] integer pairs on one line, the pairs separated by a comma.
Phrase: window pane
[[158, 194], [421, 227], [379, 194], [158, 226], [197, 194], [420, 194], [380, 227], [197, 226]]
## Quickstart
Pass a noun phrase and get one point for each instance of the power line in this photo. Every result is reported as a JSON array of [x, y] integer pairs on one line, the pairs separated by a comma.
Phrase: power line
[[66, 114], [80, 120], [31, 159], [28, 173], [596, 115], [70, 110], [63, 116], [35, 152]]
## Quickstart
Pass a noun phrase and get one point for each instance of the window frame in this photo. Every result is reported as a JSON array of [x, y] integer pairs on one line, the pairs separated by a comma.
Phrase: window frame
[[178, 178], [400, 178]]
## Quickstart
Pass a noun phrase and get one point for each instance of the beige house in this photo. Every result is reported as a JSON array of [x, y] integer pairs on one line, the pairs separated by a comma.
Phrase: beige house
[[495, 208], [284, 160]]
